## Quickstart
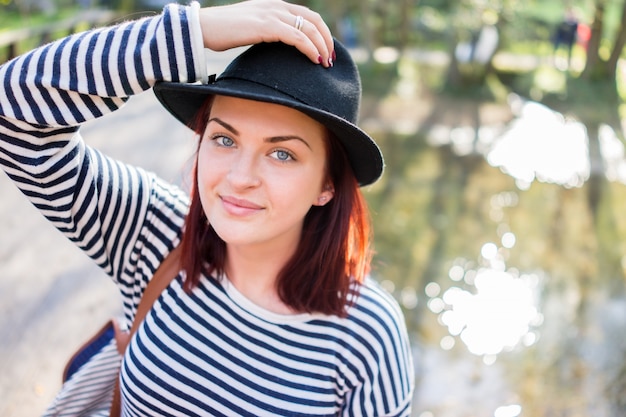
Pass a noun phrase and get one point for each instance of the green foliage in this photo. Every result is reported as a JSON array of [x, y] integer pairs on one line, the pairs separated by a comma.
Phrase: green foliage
[[11, 19], [378, 78]]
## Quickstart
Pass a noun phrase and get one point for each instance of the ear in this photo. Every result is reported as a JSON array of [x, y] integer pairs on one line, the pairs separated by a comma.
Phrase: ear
[[325, 196]]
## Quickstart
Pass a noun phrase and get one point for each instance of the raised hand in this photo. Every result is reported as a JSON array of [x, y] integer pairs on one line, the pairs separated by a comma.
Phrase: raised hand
[[256, 21]]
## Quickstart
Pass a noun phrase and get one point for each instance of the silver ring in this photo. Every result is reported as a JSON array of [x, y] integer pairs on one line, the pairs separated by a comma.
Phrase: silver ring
[[299, 22]]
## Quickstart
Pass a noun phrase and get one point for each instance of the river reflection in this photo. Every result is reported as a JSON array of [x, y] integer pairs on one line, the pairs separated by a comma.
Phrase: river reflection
[[504, 244], [494, 313], [539, 144]]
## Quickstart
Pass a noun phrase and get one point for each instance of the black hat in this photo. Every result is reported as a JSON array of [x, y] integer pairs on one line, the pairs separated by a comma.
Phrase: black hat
[[279, 73]]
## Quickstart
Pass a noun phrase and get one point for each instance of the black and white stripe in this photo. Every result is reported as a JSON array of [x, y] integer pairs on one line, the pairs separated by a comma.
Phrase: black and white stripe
[[211, 353]]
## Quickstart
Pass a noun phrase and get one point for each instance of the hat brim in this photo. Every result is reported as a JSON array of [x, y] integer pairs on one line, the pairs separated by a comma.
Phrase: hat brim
[[183, 101]]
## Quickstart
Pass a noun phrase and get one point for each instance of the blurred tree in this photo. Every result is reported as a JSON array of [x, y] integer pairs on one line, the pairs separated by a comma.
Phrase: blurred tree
[[597, 68], [374, 22], [473, 37], [31, 6]]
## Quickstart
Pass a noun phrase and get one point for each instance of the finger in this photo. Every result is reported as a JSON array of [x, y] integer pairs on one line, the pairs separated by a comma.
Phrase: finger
[[323, 38], [301, 40], [316, 29], [319, 42]]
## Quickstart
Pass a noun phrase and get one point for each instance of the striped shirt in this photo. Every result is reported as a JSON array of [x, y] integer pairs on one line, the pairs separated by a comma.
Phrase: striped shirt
[[209, 352]]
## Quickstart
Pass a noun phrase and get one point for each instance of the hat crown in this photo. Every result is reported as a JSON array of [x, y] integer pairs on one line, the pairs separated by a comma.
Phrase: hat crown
[[286, 70]]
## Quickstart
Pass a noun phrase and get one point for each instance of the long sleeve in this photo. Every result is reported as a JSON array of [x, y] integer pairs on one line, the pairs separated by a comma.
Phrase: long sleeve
[[123, 217], [92, 73]]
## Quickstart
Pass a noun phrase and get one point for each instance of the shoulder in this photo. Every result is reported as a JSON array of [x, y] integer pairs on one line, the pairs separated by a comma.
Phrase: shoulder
[[377, 320], [374, 303], [383, 345], [169, 204]]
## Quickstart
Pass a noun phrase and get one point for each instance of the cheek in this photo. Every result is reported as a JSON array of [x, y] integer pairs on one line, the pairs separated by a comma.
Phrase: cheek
[[298, 190], [208, 174], [210, 166]]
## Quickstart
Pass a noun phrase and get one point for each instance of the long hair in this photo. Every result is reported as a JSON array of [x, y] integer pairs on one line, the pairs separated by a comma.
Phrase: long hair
[[332, 256]]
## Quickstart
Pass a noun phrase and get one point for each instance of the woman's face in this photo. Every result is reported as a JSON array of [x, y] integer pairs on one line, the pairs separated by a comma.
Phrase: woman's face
[[261, 167]]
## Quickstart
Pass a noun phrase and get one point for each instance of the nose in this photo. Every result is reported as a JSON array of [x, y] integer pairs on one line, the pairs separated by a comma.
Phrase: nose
[[243, 172]]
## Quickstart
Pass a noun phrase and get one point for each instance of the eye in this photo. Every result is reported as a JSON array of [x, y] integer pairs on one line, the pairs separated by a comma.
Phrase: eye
[[282, 155], [224, 141]]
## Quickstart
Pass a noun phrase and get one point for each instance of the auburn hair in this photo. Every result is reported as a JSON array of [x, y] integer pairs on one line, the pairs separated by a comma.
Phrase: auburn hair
[[334, 252]]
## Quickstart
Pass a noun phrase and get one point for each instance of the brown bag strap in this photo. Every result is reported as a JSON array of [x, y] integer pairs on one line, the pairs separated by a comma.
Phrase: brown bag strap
[[163, 276]]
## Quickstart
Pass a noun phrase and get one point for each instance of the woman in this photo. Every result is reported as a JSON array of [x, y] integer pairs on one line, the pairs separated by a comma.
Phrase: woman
[[271, 312]]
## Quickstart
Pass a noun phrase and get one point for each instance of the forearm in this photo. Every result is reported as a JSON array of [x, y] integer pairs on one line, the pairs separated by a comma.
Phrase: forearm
[[90, 74]]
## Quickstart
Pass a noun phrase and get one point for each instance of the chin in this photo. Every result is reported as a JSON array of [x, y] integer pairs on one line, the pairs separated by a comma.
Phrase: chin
[[233, 236]]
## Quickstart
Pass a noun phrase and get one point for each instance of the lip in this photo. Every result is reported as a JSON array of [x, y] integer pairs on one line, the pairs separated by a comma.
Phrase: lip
[[239, 207]]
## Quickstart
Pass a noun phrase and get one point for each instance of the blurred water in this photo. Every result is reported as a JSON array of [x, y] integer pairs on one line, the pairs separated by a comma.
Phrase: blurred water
[[504, 243]]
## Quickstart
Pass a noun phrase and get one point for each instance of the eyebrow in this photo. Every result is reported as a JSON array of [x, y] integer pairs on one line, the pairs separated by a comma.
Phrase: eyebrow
[[223, 124], [273, 139]]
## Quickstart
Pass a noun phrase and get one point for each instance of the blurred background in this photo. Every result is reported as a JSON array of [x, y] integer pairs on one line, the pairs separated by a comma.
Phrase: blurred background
[[499, 223]]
